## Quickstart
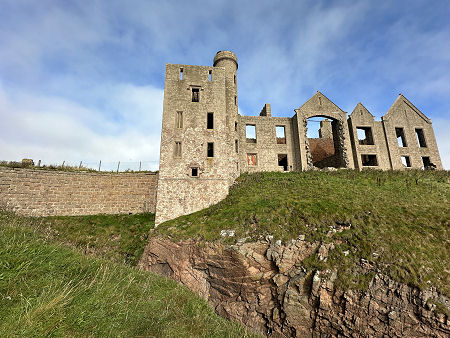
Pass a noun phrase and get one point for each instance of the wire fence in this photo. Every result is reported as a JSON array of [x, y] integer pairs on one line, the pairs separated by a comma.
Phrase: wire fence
[[104, 166], [119, 166]]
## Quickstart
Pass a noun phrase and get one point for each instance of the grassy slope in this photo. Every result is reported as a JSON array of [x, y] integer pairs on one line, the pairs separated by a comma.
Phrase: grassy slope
[[399, 220], [119, 238], [51, 289]]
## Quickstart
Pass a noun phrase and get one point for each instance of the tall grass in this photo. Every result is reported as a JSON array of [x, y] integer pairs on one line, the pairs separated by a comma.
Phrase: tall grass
[[49, 289]]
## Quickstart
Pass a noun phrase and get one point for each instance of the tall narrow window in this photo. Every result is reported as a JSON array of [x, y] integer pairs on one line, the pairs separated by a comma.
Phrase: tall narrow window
[[194, 172], [235, 79], [400, 134], [235, 126], [181, 73], [210, 75], [210, 121], [250, 133], [179, 120], [210, 150], [235, 100], [281, 134], [283, 161], [177, 150], [421, 138], [252, 160], [195, 95], [236, 146]]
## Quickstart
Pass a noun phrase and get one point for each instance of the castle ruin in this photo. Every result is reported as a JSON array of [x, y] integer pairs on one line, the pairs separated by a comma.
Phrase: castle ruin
[[206, 144]]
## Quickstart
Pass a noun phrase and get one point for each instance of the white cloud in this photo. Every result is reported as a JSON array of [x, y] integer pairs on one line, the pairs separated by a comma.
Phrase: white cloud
[[55, 129], [81, 80]]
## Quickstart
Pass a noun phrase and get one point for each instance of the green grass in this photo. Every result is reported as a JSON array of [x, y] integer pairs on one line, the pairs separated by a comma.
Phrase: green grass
[[49, 289], [398, 221], [120, 238]]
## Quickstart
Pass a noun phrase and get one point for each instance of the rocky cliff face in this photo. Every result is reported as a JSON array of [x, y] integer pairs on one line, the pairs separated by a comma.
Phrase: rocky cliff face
[[264, 286]]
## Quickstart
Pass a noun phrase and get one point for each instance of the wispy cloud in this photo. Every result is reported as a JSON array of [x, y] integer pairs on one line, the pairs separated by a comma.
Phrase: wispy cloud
[[85, 80], [55, 129]]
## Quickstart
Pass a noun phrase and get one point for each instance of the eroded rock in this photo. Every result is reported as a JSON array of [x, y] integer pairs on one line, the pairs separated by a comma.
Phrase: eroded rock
[[264, 286]]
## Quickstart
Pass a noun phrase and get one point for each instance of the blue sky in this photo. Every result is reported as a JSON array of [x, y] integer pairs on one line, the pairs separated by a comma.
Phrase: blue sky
[[84, 80]]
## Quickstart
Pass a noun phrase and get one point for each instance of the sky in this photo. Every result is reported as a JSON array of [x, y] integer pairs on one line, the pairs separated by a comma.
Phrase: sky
[[84, 80]]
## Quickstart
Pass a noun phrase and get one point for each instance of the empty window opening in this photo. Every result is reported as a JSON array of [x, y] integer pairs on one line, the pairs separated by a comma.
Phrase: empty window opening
[[365, 136], [235, 100], [421, 138], [406, 161], [235, 126], [281, 134], [252, 160], [325, 142], [282, 161], [181, 73], [369, 160], [210, 75], [179, 120], [210, 121], [250, 133], [210, 150], [194, 172], [236, 146], [235, 79], [427, 164], [400, 134], [195, 94], [177, 150]]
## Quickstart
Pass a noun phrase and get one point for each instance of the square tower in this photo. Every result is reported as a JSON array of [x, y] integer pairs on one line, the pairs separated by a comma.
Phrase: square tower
[[197, 157]]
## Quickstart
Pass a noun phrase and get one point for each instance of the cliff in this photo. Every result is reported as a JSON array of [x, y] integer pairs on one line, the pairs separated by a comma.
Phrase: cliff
[[266, 286], [342, 253]]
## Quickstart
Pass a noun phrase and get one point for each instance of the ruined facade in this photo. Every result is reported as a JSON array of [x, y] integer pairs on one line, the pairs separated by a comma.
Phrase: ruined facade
[[206, 144]]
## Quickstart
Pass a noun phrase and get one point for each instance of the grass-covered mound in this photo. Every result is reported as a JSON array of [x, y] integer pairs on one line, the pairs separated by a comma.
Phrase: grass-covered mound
[[49, 289], [398, 221]]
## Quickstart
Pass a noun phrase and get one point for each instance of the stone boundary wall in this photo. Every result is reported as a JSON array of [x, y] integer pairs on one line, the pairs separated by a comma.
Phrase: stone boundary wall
[[34, 192]]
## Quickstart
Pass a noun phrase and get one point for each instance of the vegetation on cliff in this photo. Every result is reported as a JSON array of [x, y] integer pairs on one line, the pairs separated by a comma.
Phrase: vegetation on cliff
[[395, 222], [50, 289]]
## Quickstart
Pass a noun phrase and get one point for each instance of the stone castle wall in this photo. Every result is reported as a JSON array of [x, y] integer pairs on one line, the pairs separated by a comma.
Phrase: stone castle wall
[[57, 193], [191, 178], [198, 161], [266, 148]]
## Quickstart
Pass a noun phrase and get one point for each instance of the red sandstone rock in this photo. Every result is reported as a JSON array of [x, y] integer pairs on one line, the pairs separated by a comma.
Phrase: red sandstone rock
[[265, 287]]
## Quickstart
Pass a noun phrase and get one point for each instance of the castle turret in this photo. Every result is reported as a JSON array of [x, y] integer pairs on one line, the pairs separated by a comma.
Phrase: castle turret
[[228, 60]]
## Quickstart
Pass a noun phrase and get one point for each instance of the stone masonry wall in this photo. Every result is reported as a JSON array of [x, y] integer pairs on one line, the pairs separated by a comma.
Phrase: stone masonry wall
[[266, 147], [57, 193]]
